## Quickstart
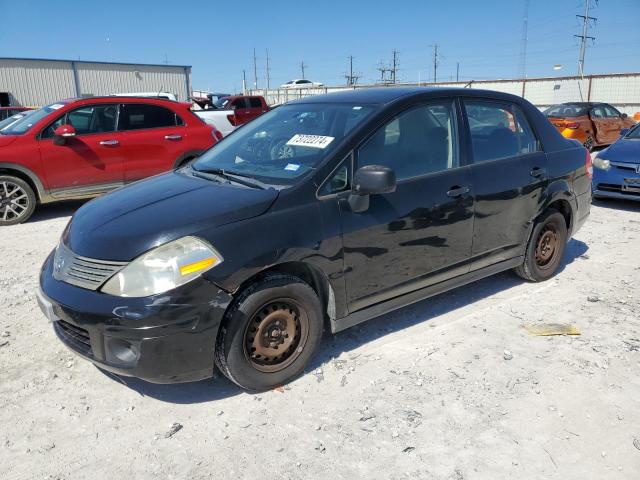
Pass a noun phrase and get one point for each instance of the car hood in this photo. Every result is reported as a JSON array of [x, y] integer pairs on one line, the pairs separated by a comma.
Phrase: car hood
[[624, 150], [7, 140], [132, 220]]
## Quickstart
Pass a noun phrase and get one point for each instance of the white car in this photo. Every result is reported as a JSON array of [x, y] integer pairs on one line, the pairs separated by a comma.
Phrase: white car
[[301, 83]]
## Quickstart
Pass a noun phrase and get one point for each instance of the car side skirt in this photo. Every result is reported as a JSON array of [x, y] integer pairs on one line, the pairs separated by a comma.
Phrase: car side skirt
[[409, 298]]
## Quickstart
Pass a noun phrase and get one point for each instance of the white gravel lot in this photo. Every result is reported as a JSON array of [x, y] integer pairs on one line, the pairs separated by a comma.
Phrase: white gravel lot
[[427, 392]]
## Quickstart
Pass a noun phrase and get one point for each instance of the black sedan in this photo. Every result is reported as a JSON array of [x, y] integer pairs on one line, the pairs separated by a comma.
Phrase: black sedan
[[374, 199]]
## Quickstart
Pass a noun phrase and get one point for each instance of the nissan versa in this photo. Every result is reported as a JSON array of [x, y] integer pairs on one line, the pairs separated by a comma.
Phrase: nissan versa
[[329, 210]]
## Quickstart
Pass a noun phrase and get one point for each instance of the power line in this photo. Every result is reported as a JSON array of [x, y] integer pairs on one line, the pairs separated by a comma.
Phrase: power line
[[352, 78], [522, 67], [395, 64], [584, 37], [268, 71], [435, 63], [255, 71]]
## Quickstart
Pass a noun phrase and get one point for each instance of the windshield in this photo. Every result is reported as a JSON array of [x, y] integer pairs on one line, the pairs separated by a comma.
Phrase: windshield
[[285, 143], [566, 110], [221, 102], [14, 118], [25, 123], [634, 132]]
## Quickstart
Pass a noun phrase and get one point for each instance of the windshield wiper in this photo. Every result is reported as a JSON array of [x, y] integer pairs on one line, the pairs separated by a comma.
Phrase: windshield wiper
[[240, 178]]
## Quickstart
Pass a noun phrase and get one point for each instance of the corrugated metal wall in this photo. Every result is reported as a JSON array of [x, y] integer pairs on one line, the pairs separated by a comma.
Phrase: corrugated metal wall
[[38, 82], [620, 90]]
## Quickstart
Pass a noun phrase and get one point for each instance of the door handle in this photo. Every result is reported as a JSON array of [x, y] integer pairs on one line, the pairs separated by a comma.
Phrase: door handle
[[174, 138], [109, 143], [538, 172], [458, 191]]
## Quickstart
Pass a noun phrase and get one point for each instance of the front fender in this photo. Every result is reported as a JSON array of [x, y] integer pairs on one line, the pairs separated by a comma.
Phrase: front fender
[[41, 192]]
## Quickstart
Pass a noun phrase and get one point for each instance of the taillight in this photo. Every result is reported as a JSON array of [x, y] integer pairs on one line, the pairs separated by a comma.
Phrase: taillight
[[572, 125], [589, 165], [233, 120], [216, 134]]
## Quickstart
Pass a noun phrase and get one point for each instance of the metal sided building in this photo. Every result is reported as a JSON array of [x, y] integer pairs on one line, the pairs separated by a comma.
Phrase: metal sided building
[[36, 82]]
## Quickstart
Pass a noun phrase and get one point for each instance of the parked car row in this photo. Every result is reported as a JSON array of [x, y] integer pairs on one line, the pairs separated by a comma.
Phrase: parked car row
[[232, 111], [85, 147]]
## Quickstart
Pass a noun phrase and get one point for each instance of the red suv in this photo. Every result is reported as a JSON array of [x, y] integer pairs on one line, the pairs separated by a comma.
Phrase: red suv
[[84, 147]]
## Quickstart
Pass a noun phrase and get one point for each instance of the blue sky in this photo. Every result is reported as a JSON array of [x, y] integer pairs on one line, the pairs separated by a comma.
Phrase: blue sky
[[217, 38]]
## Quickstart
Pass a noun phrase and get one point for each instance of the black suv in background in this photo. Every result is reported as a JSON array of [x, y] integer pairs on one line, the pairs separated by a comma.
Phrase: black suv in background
[[242, 258]]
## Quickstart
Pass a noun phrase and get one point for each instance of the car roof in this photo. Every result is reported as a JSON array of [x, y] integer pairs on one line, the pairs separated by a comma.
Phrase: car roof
[[122, 98], [584, 104], [383, 95]]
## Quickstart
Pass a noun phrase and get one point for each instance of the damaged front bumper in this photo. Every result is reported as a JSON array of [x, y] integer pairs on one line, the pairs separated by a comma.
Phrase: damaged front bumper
[[166, 338]]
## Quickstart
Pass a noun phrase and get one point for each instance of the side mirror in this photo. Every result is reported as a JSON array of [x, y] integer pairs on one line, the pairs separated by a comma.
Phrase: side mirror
[[63, 133], [623, 115], [370, 180], [374, 179], [624, 131]]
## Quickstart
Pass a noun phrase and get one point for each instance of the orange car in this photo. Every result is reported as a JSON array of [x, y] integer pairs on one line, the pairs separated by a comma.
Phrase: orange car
[[592, 124]]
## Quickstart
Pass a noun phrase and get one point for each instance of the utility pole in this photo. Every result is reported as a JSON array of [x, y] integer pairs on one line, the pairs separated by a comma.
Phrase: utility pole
[[255, 71], [244, 82], [352, 79], [383, 72], [302, 67], [394, 68], [584, 37], [457, 71], [268, 71], [522, 68], [435, 63]]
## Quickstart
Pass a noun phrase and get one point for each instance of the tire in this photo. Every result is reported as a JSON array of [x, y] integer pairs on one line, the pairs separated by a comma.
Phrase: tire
[[545, 248], [17, 200], [269, 333]]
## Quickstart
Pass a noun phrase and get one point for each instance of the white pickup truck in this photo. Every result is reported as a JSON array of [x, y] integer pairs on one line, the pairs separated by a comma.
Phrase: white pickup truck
[[233, 111]]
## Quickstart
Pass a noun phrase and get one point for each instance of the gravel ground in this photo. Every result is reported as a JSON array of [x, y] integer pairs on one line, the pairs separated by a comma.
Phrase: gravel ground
[[450, 388]]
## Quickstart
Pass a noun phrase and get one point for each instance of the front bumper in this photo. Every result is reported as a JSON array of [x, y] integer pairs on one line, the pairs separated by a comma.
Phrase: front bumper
[[620, 181], [167, 338]]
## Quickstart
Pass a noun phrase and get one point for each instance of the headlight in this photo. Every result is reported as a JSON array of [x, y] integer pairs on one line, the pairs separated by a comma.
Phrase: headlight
[[164, 268], [601, 163]]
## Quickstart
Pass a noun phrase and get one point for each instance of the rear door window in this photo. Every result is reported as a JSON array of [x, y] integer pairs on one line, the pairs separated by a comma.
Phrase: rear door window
[[498, 130], [137, 116], [239, 103]]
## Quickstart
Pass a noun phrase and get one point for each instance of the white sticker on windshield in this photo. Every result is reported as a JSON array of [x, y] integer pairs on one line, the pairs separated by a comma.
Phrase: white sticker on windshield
[[56, 106], [292, 166], [313, 141]]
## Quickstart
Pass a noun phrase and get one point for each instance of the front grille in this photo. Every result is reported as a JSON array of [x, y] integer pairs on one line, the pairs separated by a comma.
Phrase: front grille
[[629, 167], [83, 272], [75, 337], [623, 189]]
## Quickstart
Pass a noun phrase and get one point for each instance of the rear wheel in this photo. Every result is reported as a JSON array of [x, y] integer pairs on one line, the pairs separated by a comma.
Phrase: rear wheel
[[545, 248], [270, 333], [17, 200]]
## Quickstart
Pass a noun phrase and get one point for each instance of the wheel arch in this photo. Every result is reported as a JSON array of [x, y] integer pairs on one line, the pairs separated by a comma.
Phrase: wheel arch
[[560, 197], [191, 154], [28, 176], [309, 274]]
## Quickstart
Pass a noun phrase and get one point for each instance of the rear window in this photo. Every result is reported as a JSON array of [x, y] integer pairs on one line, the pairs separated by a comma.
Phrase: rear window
[[567, 110]]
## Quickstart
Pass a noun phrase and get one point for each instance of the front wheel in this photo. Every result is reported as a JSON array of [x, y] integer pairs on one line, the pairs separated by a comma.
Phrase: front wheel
[[545, 248], [17, 200], [270, 333]]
